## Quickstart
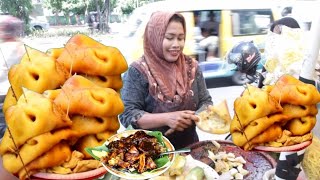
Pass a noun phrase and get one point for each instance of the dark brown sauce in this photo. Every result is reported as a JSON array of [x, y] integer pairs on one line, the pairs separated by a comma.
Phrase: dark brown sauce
[[257, 162]]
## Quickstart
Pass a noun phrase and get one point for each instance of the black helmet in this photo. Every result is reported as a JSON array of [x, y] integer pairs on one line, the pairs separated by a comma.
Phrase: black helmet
[[246, 56]]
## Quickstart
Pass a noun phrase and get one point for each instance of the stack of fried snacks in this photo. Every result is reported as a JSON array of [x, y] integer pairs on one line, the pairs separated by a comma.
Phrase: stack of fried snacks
[[53, 115], [37, 71], [280, 115]]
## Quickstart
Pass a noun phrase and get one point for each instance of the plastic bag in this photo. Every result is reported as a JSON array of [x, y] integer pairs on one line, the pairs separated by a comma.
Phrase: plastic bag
[[284, 53]]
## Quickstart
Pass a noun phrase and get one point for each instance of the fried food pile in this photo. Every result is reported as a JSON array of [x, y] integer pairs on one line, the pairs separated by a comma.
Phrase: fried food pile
[[59, 103], [135, 152], [215, 119], [280, 115]]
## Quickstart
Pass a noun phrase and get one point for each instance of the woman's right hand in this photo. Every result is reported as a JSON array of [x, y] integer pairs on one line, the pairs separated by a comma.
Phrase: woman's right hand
[[180, 120]]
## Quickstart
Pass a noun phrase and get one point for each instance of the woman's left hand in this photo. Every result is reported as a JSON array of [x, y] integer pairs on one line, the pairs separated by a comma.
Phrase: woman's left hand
[[180, 120]]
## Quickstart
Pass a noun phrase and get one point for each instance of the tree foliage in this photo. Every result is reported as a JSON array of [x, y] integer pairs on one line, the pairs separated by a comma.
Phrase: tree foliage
[[54, 5], [74, 6], [17, 8]]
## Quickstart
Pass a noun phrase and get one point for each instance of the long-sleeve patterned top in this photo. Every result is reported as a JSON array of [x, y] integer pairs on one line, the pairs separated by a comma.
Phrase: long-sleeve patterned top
[[138, 101]]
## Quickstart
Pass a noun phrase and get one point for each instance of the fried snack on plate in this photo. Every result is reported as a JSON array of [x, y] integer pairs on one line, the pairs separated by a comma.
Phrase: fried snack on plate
[[301, 126], [215, 119], [81, 96], [84, 41], [93, 140], [54, 157], [272, 133], [10, 100], [51, 94], [33, 115], [58, 170], [82, 54], [83, 125], [38, 72], [54, 52], [298, 139], [76, 156], [33, 148], [113, 82], [241, 135], [85, 165], [288, 139], [75, 164], [254, 104], [290, 90], [297, 111]]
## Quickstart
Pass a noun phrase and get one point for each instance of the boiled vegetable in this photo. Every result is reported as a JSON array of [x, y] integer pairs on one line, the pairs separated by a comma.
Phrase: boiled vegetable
[[196, 173], [177, 167]]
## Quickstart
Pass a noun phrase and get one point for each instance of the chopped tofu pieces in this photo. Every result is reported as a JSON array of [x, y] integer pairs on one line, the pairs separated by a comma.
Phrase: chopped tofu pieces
[[229, 163]]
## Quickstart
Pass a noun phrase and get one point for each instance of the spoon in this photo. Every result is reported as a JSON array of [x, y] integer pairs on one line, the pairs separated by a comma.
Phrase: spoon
[[183, 150]]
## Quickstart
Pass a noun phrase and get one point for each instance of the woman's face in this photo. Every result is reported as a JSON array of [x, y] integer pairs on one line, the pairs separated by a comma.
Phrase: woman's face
[[173, 42]]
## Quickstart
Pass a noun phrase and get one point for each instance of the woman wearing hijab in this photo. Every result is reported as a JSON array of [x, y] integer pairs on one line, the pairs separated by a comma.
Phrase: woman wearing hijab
[[164, 88]]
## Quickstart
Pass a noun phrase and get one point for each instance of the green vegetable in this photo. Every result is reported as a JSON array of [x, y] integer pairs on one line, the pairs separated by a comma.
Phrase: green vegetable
[[91, 150], [177, 166], [159, 137], [196, 173], [162, 161]]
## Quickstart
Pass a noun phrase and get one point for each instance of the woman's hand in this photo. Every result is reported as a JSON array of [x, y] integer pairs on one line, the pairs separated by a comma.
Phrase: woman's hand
[[180, 120]]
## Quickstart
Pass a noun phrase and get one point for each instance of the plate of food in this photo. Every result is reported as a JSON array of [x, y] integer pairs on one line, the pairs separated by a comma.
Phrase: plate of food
[[230, 161], [135, 154]]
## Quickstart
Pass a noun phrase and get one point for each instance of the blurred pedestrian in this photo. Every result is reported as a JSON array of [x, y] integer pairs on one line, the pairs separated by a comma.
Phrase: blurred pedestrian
[[164, 88], [286, 21], [210, 33], [11, 51]]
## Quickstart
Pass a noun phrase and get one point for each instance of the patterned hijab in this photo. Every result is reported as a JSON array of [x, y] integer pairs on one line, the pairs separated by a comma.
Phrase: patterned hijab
[[168, 81]]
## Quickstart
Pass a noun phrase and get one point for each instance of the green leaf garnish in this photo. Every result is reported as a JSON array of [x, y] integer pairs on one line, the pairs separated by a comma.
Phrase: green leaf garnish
[[94, 151]]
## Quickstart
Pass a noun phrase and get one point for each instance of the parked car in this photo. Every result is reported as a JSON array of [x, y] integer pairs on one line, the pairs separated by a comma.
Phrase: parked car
[[39, 23]]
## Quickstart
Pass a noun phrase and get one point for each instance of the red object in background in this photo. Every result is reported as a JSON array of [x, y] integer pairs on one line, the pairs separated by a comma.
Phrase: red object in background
[[10, 27], [93, 174]]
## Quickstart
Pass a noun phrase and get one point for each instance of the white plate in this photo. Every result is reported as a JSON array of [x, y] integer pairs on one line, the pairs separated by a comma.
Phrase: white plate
[[145, 175]]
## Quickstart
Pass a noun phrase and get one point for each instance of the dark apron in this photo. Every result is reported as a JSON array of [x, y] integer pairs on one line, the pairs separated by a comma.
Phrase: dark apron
[[179, 139]]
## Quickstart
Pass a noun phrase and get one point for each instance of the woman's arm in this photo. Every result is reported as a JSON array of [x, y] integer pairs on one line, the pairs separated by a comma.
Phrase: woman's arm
[[178, 120], [134, 93]]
